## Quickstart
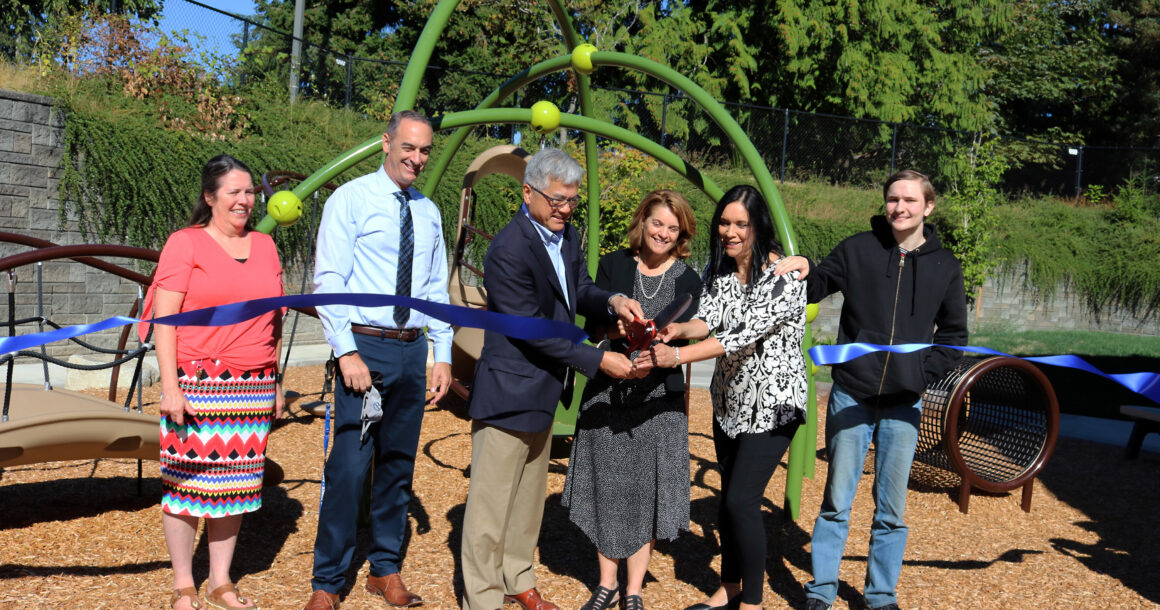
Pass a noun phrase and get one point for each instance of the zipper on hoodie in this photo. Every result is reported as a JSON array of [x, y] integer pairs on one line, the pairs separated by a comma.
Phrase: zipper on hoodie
[[893, 319]]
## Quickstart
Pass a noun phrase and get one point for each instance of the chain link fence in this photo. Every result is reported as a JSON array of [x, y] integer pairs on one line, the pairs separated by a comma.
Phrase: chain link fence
[[795, 145]]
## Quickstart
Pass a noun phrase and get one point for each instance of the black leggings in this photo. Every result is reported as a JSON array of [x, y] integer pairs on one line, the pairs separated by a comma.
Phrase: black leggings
[[747, 463]]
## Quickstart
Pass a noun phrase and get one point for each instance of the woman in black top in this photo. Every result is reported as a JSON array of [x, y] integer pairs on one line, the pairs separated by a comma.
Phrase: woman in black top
[[759, 388], [628, 476]]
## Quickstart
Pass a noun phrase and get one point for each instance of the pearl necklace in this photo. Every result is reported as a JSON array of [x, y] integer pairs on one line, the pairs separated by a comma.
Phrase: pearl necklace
[[640, 280]]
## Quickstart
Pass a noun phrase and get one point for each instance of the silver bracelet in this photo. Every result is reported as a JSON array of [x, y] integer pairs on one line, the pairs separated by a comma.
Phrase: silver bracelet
[[677, 354]]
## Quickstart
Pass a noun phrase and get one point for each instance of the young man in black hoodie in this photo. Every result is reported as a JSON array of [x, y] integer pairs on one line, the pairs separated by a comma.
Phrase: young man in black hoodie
[[899, 286]]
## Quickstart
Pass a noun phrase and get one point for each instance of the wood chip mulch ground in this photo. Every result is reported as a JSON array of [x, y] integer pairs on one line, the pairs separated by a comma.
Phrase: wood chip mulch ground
[[78, 535]]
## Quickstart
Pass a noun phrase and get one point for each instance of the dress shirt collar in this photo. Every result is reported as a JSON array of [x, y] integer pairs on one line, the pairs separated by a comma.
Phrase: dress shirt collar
[[549, 236], [382, 173]]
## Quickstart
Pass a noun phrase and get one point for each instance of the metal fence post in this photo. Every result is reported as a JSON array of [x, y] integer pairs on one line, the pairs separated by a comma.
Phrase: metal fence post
[[514, 129], [1079, 171], [349, 64], [664, 115], [893, 148], [296, 48], [784, 143]]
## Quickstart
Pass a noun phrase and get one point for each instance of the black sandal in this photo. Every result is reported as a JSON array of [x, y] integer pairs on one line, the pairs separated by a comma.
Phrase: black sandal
[[633, 602], [602, 599]]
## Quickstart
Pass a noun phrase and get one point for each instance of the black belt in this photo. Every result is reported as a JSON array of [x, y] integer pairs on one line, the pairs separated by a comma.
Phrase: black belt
[[402, 334]]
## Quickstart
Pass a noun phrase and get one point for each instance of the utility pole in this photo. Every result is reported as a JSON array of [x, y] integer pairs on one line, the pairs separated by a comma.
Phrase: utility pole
[[296, 48]]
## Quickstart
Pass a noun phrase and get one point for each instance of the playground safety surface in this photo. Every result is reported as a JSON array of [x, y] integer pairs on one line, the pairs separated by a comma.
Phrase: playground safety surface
[[76, 534]]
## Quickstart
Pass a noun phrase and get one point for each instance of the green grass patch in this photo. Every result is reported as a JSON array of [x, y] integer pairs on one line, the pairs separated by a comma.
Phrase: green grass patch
[[1080, 392], [1084, 343]]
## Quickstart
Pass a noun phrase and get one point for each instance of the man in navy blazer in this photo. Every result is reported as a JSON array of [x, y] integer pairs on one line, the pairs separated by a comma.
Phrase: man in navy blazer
[[534, 268]]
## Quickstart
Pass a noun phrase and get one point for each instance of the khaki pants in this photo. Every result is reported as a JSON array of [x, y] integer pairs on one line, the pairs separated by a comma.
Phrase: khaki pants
[[505, 505]]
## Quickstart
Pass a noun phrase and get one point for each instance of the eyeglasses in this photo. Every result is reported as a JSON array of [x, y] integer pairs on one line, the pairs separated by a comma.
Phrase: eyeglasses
[[557, 202]]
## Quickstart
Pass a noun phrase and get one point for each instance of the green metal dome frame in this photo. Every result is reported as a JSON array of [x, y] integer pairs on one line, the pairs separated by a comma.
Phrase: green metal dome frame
[[803, 447]]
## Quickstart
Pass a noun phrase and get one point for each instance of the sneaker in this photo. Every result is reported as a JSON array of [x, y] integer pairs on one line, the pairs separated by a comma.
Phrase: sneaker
[[813, 603]]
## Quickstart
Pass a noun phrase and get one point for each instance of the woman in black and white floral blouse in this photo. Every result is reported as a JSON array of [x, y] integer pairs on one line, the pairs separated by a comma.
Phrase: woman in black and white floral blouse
[[759, 383]]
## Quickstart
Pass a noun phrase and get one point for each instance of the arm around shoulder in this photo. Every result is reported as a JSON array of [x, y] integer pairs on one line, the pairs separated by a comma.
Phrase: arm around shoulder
[[828, 275]]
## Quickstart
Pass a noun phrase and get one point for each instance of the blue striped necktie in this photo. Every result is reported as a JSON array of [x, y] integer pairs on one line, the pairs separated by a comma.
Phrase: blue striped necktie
[[406, 254]]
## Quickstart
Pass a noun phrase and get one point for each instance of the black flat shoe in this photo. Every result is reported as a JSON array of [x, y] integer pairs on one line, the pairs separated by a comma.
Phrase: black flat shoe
[[602, 599], [732, 604]]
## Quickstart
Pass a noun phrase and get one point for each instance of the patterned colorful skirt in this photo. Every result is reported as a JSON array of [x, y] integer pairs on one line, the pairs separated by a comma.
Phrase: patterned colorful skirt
[[212, 465]]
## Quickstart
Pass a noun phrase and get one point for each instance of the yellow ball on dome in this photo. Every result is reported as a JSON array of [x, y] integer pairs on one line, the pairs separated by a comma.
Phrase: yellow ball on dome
[[545, 117], [811, 312], [582, 58], [284, 207]]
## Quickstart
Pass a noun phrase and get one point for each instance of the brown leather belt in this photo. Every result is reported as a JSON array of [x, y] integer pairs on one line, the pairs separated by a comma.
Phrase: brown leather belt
[[402, 334]]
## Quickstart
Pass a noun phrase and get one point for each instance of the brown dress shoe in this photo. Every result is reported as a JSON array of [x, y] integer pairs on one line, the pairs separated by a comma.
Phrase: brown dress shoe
[[321, 600], [531, 600], [392, 589]]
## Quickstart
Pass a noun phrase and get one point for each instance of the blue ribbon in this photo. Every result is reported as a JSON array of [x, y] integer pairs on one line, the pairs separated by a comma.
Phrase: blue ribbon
[[1145, 384], [516, 327]]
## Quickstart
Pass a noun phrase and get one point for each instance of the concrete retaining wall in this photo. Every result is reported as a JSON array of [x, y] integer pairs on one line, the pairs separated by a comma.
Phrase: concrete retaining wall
[[1005, 306]]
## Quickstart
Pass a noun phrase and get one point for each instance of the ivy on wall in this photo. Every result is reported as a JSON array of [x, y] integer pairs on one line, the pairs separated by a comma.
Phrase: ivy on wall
[[1108, 258]]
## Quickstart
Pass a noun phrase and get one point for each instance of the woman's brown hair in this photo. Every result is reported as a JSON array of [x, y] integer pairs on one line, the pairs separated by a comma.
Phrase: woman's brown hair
[[679, 206], [211, 178]]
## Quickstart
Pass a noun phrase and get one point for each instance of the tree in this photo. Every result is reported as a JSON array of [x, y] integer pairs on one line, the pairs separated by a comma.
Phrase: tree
[[1053, 73], [893, 60], [333, 31], [1133, 32], [709, 42], [484, 43], [24, 21], [967, 210]]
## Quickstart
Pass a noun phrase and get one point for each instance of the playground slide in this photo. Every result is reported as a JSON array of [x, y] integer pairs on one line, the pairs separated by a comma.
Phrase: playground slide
[[56, 425], [468, 343], [53, 425]]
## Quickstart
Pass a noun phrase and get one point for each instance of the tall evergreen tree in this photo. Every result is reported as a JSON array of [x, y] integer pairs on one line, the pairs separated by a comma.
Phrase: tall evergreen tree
[[893, 60], [1134, 36], [1053, 71]]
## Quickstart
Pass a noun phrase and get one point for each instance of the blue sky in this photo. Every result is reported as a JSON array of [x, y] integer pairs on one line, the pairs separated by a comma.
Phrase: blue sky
[[215, 28]]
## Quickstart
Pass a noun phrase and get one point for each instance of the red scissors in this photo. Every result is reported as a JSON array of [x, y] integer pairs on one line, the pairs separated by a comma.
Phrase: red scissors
[[641, 333]]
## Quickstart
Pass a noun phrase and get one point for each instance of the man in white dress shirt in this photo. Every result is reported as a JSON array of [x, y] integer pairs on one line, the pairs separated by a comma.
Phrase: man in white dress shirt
[[379, 235]]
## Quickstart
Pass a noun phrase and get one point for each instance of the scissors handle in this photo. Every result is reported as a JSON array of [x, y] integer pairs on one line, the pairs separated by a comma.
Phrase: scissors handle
[[640, 334]]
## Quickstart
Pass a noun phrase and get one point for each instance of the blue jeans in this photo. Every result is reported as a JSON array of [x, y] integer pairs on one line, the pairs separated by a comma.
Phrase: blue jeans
[[850, 426]]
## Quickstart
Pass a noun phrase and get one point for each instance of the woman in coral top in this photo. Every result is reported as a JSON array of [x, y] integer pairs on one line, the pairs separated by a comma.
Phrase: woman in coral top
[[220, 386]]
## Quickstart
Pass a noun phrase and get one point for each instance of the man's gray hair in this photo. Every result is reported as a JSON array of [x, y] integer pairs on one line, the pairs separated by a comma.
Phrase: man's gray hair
[[552, 163], [408, 115]]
